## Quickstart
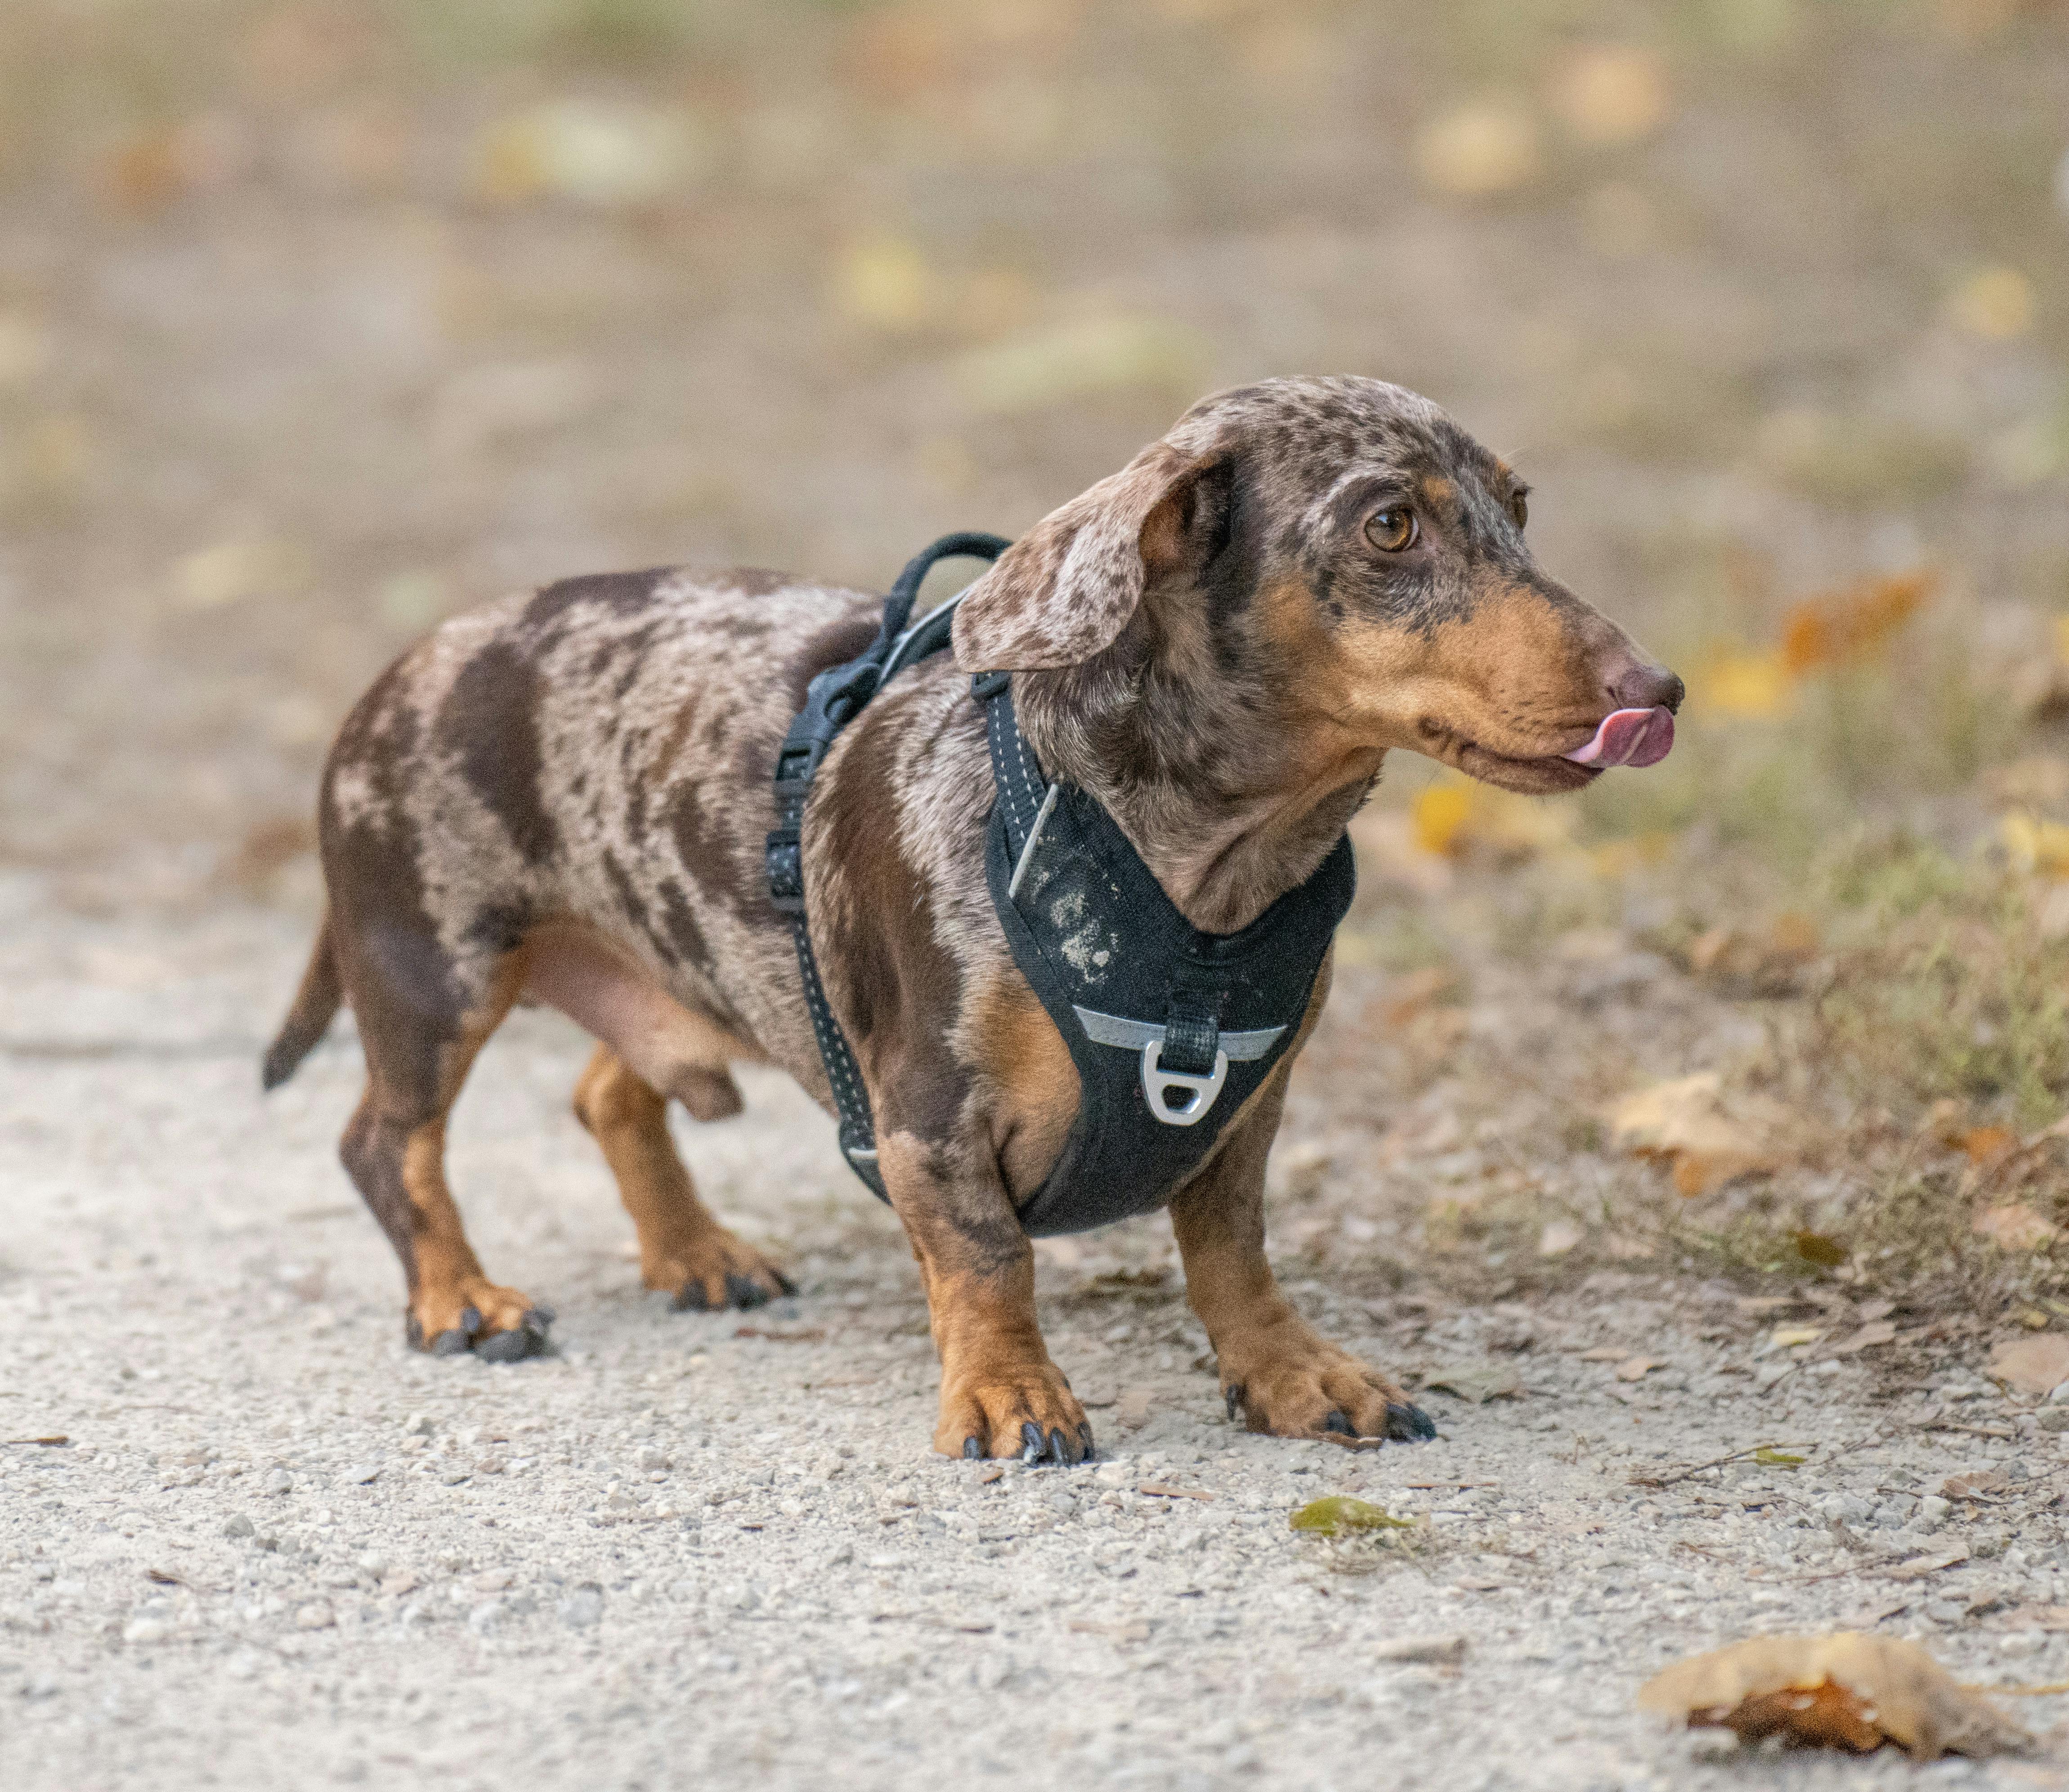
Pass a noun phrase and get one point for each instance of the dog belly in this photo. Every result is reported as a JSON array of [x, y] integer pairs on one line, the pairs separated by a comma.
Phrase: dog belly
[[671, 1048]]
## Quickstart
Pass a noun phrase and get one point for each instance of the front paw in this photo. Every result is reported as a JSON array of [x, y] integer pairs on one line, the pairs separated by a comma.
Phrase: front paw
[[1022, 1410], [716, 1272], [1301, 1386]]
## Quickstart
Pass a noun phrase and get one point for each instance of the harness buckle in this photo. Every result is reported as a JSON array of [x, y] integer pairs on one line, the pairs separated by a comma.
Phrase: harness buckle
[[1198, 1093]]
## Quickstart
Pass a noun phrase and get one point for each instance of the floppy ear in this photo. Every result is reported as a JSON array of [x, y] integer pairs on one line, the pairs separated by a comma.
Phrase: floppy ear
[[1066, 589]]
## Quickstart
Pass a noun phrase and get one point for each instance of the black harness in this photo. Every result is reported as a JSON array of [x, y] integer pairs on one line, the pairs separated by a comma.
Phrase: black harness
[[1171, 1029]]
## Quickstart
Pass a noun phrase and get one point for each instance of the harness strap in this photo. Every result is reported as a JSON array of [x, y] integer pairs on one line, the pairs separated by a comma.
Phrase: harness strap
[[832, 700], [1191, 1037]]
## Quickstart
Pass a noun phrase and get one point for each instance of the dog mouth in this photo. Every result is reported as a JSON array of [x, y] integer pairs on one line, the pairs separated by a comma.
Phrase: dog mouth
[[1627, 737]]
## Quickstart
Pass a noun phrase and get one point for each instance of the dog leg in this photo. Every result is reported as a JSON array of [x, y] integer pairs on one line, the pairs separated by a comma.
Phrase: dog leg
[[683, 1251], [418, 1055], [1275, 1370], [1001, 1396]]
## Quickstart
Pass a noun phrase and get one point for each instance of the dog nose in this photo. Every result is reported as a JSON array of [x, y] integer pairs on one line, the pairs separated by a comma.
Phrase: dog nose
[[1648, 687]]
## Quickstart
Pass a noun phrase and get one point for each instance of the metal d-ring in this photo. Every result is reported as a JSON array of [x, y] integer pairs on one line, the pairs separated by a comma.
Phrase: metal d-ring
[[1201, 1091]]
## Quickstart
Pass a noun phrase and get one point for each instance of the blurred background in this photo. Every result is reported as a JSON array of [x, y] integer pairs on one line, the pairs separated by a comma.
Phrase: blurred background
[[321, 320]]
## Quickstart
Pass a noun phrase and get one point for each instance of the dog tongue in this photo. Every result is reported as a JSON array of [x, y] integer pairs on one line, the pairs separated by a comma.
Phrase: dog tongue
[[1629, 737]]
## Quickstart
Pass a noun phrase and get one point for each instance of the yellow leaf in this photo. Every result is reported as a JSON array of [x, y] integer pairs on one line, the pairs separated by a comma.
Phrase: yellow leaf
[[1753, 686], [1776, 1459], [1339, 1515], [885, 281], [2035, 845], [1995, 303], [1787, 1336], [1478, 151], [1439, 815], [1611, 93]]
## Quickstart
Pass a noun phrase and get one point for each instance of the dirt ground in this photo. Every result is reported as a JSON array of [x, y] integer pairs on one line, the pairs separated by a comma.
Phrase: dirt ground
[[320, 321]]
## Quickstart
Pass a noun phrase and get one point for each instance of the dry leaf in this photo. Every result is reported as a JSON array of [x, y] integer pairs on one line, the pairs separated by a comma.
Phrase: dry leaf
[[1918, 1567], [1826, 631], [2032, 1365], [1637, 1369], [1606, 1353], [1786, 1336], [1983, 1144], [1558, 1238], [1339, 1515], [1973, 1487], [1877, 1332], [2015, 1227], [1477, 1383], [1844, 1691], [1708, 1140]]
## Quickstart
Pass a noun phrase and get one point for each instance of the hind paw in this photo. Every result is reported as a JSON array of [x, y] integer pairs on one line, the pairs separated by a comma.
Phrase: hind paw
[[720, 1271]]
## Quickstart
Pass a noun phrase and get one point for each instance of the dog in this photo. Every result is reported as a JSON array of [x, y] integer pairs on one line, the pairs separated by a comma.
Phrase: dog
[[562, 798]]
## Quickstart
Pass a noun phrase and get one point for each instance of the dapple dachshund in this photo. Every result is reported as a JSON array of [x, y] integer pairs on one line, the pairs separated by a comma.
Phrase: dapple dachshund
[[563, 797]]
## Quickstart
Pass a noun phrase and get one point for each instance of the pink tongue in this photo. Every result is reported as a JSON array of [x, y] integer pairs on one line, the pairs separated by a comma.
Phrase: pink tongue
[[1629, 737]]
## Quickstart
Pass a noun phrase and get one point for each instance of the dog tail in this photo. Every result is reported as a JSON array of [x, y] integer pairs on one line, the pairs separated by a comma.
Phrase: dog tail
[[315, 1002]]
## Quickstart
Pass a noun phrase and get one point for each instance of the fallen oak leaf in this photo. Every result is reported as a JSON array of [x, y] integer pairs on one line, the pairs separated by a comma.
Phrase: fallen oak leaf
[[1847, 1691], [1918, 1567], [1638, 1368]]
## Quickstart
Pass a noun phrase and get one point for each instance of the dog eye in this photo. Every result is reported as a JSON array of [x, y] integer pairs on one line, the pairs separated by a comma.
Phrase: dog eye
[[1393, 530], [1518, 509]]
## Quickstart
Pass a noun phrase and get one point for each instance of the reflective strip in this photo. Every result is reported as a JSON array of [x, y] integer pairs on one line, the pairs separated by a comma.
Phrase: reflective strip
[[1133, 1036], [1027, 852]]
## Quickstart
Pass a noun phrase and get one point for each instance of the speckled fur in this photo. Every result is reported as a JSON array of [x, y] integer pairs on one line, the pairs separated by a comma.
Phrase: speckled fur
[[565, 794]]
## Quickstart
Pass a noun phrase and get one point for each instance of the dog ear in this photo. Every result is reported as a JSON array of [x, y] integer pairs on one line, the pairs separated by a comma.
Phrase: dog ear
[[1067, 589]]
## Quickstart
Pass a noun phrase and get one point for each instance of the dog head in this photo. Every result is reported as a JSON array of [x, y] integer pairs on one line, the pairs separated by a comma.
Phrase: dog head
[[1337, 560]]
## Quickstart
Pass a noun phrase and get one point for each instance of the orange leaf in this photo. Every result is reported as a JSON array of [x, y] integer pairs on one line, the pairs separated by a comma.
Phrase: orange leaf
[[1823, 631]]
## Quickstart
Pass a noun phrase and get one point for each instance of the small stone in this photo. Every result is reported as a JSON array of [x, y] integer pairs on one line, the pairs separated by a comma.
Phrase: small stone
[[316, 1615], [2019, 1643], [418, 1424], [278, 1480], [237, 1525], [2053, 1418], [1931, 1512], [144, 1630], [583, 1606]]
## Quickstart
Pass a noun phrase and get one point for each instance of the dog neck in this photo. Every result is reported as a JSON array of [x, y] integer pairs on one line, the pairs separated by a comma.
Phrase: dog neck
[[1230, 796]]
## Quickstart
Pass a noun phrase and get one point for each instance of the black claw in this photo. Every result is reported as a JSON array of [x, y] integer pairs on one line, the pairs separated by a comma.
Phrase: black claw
[[535, 1322], [973, 1448], [470, 1320], [510, 1347], [1085, 1434], [690, 1299], [1409, 1424], [1033, 1442], [1059, 1450], [449, 1343], [1336, 1422], [784, 1281], [743, 1291], [1234, 1395]]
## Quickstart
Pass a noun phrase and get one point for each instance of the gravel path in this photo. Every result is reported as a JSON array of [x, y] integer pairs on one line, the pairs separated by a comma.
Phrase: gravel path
[[276, 1547]]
